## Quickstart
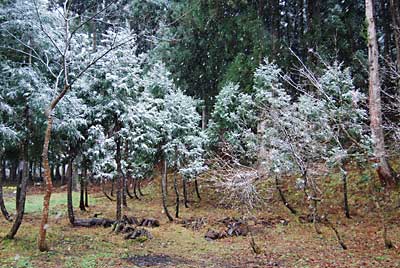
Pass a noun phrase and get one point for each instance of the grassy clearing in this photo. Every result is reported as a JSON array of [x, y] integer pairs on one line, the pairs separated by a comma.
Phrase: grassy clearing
[[292, 245], [34, 202]]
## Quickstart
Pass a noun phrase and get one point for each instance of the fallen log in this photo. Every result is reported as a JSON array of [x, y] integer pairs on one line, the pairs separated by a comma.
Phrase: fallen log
[[140, 234], [213, 235], [150, 222], [131, 220], [93, 222]]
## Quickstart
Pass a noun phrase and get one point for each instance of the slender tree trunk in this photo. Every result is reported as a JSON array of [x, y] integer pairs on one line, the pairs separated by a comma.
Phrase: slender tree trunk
[[196, 188], [125, 177], [70, 205], [58, 175], [164, 189], [135, 186], [82, 190], [2, 206], [282, 196], [21, 204], [13, 170], [49, 185], [86, 194], [275, 24], [139, 187], [185, 197], [119, 180], [23, 173], [385, 172], [112, 187], [262, 150], [124, 190], [166, 185], [94, 25], [129, 185], [343, 173], [177, 195], [31, 168], [19, 182]]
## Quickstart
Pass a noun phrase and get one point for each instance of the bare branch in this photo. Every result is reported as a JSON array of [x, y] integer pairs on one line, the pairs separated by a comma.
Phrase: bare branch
[[44, 31], [46, 64], [91, 18]]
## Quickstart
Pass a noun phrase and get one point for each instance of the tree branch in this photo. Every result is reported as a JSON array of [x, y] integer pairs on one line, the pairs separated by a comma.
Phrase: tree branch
[[44, 31]]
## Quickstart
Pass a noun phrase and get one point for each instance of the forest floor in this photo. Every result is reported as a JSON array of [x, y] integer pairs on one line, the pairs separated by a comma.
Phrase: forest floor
[[284, 240]]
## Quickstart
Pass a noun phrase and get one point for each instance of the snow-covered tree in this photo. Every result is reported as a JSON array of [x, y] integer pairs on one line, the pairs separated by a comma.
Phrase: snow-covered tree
[[64, 54], [233, 122]]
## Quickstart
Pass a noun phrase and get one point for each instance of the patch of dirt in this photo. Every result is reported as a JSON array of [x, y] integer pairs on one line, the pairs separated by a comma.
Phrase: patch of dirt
[[152, 260], [271, 222]]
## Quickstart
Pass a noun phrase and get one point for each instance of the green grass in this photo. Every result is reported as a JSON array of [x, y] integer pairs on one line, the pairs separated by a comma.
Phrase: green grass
[[34, 203], [292, 245]]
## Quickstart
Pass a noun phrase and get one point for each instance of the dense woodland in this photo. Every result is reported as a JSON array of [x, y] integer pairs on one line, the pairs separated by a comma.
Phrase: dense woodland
[[206, 99]]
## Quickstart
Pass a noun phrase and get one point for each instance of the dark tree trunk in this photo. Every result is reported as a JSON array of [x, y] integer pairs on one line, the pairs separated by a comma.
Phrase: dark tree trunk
[[282, 196], [112, 187], [70, 205], [19, 183], [2, 206], [34, 173], [86, 194], [13, 170], [135, 186], [31, 168], [128, 186], [119, 180], [124, 190], [21, 204], [58, 175], [185, 197], [23, 182], [164, 189], [82, 190], [125, 177], [196, 187], [343, 173], [139, 188], [275, 25], [177, 195]]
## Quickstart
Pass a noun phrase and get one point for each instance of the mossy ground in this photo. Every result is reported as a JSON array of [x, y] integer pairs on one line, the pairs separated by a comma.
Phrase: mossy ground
[[293, 245]]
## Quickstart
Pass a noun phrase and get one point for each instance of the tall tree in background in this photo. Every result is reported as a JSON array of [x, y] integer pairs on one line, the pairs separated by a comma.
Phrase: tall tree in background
[[385, 172]]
